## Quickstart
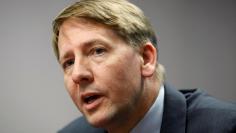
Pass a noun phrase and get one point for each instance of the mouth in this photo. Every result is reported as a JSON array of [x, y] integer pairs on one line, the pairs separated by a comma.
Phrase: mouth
[[91, 100]]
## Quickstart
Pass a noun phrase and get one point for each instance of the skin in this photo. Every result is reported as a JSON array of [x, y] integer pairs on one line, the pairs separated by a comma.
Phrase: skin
[[95, 60]]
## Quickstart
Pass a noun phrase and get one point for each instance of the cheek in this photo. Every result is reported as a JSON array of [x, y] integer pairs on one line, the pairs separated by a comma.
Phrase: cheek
[[67, 84], [121, 79], [73, 92], [71, 88]]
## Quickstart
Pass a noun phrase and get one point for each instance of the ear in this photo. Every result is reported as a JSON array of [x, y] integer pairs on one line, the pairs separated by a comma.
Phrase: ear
[[149, 56]]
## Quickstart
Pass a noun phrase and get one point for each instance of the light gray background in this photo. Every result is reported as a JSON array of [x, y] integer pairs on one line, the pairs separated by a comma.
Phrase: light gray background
[[197, 47]]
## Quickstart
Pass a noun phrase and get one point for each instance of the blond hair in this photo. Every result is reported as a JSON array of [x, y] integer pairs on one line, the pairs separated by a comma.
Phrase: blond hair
[[124, 18]]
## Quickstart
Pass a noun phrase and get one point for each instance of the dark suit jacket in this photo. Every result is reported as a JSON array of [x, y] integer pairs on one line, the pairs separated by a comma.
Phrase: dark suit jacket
[[185, 111]]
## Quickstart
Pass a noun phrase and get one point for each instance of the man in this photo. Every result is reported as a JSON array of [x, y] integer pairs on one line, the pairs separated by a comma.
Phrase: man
[[108, 52]]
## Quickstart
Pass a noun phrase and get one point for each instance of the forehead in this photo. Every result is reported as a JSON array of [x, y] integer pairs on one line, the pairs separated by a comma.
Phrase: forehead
[[76, 31]]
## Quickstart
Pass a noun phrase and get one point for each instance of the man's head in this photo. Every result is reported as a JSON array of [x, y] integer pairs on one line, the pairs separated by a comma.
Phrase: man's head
[[122, 17], [107, 51]]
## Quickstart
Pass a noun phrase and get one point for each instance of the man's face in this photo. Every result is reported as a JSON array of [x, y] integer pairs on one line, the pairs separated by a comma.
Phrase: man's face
[[101, 72]]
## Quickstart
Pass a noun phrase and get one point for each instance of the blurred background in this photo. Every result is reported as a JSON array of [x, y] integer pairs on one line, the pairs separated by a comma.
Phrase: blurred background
[[197, 47]]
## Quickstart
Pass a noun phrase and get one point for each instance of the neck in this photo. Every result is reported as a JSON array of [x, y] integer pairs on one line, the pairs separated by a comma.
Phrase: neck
[[143, 104]]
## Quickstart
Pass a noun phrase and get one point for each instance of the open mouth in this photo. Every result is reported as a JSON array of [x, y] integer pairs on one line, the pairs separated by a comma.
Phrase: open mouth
[[90, 99]]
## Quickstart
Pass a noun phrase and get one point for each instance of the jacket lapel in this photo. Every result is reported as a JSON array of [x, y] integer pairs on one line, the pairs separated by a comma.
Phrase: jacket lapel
[[174, 115]]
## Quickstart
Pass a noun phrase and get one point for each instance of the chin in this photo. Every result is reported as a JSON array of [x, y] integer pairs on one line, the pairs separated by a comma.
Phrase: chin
[[99, 120]]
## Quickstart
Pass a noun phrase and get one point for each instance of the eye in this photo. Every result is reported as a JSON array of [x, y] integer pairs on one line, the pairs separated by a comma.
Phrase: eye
[[98, 51], [67, 64]]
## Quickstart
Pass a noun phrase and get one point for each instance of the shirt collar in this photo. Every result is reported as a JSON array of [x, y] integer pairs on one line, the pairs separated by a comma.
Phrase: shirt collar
[[151, 123]]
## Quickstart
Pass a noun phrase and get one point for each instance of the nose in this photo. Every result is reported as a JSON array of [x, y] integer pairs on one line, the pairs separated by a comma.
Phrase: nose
[[82, 73]]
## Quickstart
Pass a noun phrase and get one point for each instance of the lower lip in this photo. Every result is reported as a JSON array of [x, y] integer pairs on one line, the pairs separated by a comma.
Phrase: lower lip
[[94, 104]]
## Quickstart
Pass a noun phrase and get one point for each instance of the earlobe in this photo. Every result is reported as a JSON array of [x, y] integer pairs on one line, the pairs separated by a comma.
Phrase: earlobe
[[149, 55]]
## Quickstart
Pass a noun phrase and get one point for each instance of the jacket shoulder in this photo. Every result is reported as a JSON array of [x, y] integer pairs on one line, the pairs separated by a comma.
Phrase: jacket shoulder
[[80, 125], [197, 99], [205, 113]]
